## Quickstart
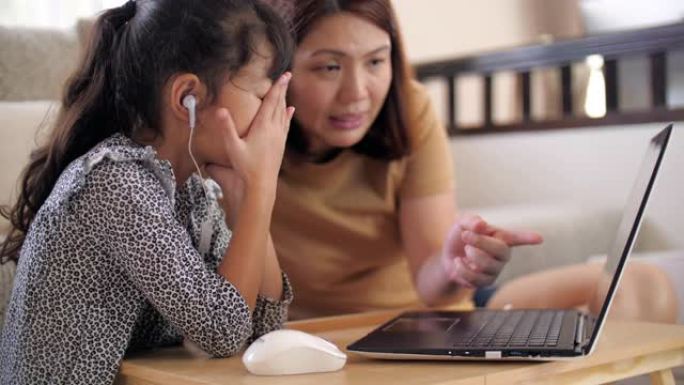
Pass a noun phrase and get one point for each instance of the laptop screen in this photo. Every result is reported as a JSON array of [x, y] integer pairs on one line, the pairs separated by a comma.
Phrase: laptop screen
[[629, 226]]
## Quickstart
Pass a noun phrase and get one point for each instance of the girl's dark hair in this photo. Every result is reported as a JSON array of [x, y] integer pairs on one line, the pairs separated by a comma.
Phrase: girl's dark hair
[[388, 137], [133, 51]]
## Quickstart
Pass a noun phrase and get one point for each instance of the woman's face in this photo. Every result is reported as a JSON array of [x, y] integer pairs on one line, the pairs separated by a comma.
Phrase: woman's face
[[341, 74]]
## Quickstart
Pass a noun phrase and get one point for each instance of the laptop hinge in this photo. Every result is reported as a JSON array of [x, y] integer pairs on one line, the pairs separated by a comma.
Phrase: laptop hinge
[[588, 330], [579, 332]]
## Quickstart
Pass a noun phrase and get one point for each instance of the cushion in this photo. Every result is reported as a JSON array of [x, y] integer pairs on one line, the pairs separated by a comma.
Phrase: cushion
[[83, 28], [35, 63], [571, 232], [22, 125]]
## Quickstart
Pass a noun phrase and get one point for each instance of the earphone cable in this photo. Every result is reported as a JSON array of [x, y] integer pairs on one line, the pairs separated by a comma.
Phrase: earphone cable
[[194, 161]]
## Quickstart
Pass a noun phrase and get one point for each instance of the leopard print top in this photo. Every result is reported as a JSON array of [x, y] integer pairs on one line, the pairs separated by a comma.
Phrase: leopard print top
[[111, 265]]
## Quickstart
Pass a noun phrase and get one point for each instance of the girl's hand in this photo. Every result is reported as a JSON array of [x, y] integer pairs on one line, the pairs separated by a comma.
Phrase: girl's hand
[[257, 156], [233, 189], [475, 252]]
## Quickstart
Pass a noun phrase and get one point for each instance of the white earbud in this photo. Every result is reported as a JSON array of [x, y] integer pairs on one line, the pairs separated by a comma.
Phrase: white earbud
[[190, 103]]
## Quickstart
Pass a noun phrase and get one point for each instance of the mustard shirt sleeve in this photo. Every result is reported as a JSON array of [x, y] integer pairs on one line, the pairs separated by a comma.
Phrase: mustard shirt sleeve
[[429, 166]]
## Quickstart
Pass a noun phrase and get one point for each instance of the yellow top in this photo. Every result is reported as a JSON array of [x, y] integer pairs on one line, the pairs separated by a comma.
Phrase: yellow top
[[336, 225]]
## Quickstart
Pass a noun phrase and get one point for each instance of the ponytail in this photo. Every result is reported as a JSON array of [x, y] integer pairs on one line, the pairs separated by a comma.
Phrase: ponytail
[[83, 121], [117, 88]]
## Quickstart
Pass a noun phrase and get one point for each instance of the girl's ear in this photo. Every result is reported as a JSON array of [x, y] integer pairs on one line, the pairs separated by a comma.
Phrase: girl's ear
[[181, 86]]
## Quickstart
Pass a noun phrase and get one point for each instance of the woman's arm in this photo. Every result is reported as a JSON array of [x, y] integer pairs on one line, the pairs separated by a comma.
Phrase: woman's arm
[[424, 223], [447, 255]]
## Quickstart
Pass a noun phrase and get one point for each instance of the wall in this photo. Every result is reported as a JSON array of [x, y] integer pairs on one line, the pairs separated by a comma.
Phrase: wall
[[592, 167], [436, 29], [595, 168], [453, 28]]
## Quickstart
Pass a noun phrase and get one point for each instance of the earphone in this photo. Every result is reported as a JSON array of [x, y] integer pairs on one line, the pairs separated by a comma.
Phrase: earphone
[[190, 103]]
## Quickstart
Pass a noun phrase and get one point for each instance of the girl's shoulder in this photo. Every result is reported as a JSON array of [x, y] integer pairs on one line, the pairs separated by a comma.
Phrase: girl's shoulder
[[119, 148], [117, 163]]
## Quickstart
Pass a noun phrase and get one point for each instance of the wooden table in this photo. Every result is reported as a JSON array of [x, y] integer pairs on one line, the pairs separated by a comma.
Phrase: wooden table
[[626, 349]]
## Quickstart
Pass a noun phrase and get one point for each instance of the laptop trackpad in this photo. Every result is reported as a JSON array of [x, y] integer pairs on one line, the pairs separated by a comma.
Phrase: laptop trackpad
[[422, 325]]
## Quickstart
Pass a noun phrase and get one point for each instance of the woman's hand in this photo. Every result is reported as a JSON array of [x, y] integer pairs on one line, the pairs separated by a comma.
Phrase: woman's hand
[[475, 252]]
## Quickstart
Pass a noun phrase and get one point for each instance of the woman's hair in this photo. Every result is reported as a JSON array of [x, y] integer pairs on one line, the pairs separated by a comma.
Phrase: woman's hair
[[388, 136], [117, 88]]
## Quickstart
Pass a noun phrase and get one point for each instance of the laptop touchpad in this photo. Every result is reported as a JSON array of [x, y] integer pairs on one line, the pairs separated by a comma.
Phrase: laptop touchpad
[[421, 325]]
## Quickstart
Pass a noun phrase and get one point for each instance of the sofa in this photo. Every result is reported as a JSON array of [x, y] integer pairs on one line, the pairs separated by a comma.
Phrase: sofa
[[569, 185]]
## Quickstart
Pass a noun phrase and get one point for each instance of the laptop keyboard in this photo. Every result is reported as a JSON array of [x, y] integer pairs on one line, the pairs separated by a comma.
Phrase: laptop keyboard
[[515, 328]]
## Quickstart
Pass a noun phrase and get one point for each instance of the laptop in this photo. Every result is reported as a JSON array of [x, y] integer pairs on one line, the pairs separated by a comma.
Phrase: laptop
[[526, 334]]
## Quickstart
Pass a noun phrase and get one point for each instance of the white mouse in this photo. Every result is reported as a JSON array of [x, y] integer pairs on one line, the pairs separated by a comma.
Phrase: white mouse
[[292, 352]]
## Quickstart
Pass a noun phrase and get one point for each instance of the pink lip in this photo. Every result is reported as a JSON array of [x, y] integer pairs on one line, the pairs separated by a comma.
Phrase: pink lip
[[347, 121]]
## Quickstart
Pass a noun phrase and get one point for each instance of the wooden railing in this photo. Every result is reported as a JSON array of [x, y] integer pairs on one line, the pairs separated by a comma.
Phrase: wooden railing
[[655, 43]]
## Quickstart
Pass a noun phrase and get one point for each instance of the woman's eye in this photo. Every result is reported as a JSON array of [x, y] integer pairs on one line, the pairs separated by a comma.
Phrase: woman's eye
[[376, 62], [328, 68]]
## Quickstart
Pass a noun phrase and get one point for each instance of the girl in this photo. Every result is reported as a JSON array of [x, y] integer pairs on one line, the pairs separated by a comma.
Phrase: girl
[[365, 216], [112, 256]]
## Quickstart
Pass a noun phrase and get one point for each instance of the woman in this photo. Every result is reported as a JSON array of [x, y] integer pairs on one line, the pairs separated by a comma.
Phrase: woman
[[365, 217]]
